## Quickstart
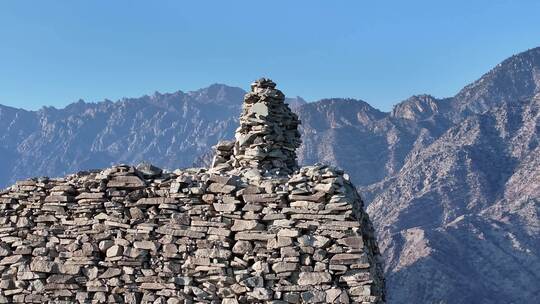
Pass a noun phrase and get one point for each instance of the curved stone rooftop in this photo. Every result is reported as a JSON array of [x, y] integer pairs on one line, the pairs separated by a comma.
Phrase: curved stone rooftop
[[253, 228]]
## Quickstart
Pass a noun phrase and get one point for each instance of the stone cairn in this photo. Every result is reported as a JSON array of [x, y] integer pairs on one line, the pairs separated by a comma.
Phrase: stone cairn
[[267, 137], [254, 228]]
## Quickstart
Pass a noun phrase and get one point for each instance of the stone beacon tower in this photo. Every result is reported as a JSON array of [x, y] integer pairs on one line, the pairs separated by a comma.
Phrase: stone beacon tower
[[253, 228], [267, 137]]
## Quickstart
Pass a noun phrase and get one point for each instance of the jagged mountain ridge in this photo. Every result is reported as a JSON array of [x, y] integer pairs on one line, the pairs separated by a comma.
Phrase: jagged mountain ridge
[[162, 128], [439, 174], [453, 199]]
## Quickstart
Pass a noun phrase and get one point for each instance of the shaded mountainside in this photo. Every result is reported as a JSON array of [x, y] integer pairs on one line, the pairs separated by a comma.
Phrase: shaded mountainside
[[165, 129], [453, 184], [465, 209]]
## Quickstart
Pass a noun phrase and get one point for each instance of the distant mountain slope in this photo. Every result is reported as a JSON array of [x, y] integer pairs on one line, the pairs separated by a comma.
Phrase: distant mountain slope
[[167, 129], [454, 200], [453, 184], [516, 78]]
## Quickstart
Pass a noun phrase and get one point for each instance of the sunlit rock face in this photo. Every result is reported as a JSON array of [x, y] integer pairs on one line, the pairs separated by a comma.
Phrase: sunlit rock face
[[253, 228]]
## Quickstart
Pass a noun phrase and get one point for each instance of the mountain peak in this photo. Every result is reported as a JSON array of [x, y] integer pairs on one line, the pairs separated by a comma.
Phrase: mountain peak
[[417, 107], [514, 79], [295, 102], [219, 93]]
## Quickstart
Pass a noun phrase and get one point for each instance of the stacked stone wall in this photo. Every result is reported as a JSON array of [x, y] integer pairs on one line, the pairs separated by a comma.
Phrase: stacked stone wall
[[254, 228]]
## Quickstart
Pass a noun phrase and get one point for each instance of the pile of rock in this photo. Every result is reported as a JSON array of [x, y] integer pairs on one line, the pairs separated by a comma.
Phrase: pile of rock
[[143, 235], [267, 137]]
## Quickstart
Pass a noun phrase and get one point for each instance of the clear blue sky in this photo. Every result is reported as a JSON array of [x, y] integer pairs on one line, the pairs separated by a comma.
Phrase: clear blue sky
[[55, 52]]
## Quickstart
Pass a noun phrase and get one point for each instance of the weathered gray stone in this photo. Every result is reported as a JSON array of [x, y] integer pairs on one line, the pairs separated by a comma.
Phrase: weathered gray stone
[[38, 265], [221, 188], [148, 245], [127, 182], [114, 251], [313, 241], [262, 294], [314, 278], [284, 267], [332, 294], [156, 201], [313, 297], [224, 207], [241, 225], [9, 260], [110, 272], [242, 247], [260, 109], [260, 236], [346, 258]]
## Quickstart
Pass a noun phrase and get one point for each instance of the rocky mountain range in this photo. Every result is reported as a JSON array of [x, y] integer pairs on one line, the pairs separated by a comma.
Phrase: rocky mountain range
[[452, 185]]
